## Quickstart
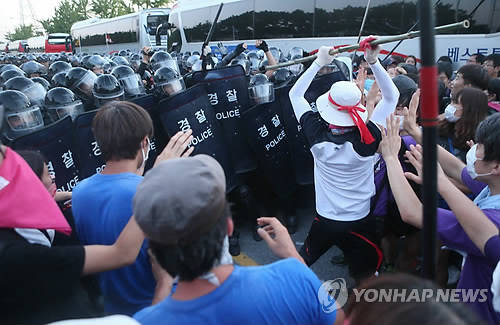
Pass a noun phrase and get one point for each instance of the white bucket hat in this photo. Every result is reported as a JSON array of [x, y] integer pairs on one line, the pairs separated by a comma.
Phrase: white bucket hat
[[341, 106]]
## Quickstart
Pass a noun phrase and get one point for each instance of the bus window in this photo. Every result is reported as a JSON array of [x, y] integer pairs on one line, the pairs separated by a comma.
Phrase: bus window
[[483, 20], [235, 22], [283, 19], [195, 28], [175, 33], [153, 21]]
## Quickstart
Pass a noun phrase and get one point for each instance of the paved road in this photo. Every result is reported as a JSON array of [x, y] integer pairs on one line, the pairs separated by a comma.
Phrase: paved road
[[256, 252]]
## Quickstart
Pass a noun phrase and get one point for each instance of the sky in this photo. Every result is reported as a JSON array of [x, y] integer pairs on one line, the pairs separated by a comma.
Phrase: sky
[[10, 16]]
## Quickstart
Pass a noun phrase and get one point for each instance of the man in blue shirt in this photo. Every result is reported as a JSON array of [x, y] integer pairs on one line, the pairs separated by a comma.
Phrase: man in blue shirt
[[187, 224], [102, 204]]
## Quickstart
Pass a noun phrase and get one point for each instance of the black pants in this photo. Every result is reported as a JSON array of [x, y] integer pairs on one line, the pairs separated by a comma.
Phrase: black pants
[[357, 239]]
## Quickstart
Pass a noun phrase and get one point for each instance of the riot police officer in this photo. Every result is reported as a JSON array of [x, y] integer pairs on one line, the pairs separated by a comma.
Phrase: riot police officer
[[260, 89], [20, 116], [34, 91], [131, 82], [107, 88], [168, 82], [96, 64], [61, 102], [81, 82], [33, 69], [58, 66]]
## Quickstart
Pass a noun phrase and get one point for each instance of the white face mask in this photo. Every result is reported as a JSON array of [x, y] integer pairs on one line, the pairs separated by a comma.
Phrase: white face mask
[[145, 156], [449, 113], [471, 161], [401, 122]]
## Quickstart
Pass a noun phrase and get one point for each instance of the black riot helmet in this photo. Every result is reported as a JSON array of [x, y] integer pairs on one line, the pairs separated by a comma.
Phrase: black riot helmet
[[33, 69], [168, 82], [58, 66], [34, 91], [406, 87], [42, 81], [84, 60], [244, 63], [58, 80], [130, 81], [60, 102], [96, 64], [81, 82], [260, 89], [135, 61], [106, 89], [163, 59], [109, 66], [281, 77], [20, 116], [9, 74], [10, 67], [120, 60]]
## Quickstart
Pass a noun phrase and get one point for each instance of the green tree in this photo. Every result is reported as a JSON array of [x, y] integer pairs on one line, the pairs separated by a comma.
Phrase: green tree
[[21, 32], [144, 4], [65, 15], [110, 8]]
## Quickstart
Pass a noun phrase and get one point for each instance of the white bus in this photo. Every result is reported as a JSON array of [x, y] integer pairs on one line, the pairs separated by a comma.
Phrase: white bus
[[312, 23], [132, 31]]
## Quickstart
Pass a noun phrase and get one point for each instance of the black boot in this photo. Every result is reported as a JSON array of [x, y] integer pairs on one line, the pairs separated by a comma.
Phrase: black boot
[[234, 244]]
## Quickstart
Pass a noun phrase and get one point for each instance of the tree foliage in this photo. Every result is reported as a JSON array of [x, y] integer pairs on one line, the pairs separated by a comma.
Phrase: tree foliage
[[65, 15], [69, 12], [21, 32]]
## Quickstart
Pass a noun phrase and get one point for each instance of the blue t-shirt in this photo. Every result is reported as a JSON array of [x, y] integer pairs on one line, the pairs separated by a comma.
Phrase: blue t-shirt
[[285, 292], [102, 206]]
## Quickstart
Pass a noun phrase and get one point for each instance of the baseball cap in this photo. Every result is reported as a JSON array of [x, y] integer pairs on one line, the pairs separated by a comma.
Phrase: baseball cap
[[180, 199]]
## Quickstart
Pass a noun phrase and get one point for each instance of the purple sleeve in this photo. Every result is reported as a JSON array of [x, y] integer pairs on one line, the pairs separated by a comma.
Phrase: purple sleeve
[[475, 186], [452, 234], [492, 249]]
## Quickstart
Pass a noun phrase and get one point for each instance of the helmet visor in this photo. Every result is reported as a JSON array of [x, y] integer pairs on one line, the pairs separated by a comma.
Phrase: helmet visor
[[60, 112], [85, 85], [171, 63], [173, 87], [36, 94], [26, 120], [263, 93], [133, 85]]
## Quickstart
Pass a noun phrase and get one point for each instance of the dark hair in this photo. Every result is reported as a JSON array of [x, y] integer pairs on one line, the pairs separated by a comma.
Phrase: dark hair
[[119, 127], [445, 67], [474, 110], [413, 57], [193, 259], [475, 75], [425, 311], [35, 160], [488, 134], [479, 57], [494, 88], [495, 58], [444, 58]]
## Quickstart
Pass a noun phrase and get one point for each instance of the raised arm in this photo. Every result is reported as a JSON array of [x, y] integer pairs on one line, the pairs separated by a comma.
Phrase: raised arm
[[390, 93], [296, 94]]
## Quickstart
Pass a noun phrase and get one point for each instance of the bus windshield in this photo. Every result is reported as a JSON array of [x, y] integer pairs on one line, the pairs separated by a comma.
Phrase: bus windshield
[[57, 41], [153, 21]]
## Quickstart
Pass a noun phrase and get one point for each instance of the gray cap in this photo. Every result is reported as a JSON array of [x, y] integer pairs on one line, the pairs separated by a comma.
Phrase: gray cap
[[180, 199]]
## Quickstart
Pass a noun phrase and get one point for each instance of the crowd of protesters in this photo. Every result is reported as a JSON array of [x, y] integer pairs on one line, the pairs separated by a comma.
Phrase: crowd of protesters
[[156, 247]]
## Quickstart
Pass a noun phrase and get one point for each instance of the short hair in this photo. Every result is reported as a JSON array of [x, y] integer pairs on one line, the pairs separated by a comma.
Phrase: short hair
[[119, 127], [494, 87], [446, 68], [479, 57], [495, 58], [190, 260], [488, 134], [475, 75], [34, 159], [444, 58]]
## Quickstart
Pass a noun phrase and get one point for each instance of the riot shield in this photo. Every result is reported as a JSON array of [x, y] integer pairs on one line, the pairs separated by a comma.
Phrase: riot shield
[[227, 90], [263, 128], [88, 151], [55, 143], [191, 109], [157, 142], [301, 155]]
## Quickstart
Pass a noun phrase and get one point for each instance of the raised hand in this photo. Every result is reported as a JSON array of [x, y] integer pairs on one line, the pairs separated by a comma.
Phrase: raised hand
[[391, 141], [176, 147]]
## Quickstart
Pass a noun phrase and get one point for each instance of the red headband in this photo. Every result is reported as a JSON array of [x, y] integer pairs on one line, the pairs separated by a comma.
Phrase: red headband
[[366, 136]]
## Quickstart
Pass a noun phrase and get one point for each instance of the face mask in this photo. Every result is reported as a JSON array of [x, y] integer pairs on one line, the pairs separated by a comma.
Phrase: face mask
[[145, 156], [401, 122], [449, 113], [471, 161]]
